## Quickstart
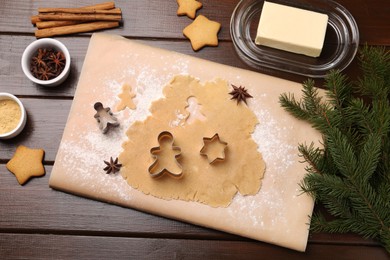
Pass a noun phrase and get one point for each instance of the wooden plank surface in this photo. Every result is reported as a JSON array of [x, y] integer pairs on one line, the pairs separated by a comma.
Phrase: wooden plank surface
[[46, 120], [38, 222], [89, 217], [18, 84], [152, 19], [102, 247]]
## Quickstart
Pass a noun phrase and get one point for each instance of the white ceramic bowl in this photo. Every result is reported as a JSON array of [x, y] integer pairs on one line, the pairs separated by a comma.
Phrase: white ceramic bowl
[[33, 48], [23, 117]]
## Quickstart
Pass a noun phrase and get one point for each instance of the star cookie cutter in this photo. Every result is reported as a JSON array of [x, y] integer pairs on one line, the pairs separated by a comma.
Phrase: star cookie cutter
[[209, 140], [156, 170]]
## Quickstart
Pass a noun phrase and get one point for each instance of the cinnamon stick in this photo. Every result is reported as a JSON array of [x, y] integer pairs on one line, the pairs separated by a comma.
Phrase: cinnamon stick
[[101, 6], [80, 10], [78, 28], [50, 24], [79, 17], [35, 19]]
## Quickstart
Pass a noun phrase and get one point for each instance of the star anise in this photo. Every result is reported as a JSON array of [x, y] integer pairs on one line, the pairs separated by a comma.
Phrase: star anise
[[47, 63], [38, 62], [42, 53], [240, 93], [44, 73], [113, 166], [57, 61]]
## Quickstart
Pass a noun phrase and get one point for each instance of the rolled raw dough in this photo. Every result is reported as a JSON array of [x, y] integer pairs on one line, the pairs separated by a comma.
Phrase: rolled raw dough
[[212, 184], [126, 97]]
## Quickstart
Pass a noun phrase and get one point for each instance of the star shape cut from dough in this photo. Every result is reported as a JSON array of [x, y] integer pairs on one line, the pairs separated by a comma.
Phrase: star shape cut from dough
[[214, 149], [126, 98], [202, 32], [26, 163], [188, 7]]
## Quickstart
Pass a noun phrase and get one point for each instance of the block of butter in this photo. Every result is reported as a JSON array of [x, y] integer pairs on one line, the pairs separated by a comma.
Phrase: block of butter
[[291, 29]]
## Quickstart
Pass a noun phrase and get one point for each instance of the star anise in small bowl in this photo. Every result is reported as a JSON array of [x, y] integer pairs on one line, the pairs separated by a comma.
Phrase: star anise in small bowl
[[57, 62], [46, 62]]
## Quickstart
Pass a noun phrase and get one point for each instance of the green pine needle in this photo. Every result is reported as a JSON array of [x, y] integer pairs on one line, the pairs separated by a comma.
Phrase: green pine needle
[[350, 174]]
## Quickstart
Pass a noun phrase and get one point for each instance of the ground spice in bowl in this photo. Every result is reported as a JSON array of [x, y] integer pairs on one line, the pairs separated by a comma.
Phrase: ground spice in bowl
[[10, 115]]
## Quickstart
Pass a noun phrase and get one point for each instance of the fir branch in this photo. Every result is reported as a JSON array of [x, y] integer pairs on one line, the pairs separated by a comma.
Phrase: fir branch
[[369, 157], [375, 65], [339, 89], [350, 175], [311, 109], [311, 99], [341, 151], [312, 155], [294, 107], [336, 200]]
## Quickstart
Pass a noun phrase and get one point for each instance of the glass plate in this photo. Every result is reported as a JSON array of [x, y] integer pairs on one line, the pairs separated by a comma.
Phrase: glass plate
[[340, 44]]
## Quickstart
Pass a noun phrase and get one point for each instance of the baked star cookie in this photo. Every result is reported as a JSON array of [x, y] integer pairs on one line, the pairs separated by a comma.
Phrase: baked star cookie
[[202, 32], [188, 7], [26, 163]]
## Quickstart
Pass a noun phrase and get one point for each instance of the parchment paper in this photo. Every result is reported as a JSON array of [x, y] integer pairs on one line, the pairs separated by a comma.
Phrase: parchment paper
[[278, 214]]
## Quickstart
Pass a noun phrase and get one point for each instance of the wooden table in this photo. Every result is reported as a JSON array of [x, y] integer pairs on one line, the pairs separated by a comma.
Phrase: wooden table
[[38, 222]]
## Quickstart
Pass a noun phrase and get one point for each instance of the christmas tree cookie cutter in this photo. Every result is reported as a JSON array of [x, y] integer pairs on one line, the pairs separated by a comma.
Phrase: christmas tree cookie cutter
[[165, 152], [211, 155]]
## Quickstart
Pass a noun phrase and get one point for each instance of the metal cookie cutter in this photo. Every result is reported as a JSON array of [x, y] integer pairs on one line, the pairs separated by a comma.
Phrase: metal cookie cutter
[[104, 117], [206, 142], [157, 169]]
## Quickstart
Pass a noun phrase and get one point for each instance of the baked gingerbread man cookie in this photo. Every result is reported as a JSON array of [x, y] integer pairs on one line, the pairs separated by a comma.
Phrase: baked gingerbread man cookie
[[26, 163], [188, 7], [202, 32]]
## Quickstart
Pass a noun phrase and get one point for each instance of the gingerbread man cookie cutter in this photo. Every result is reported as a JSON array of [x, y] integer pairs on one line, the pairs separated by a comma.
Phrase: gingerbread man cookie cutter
[[166, 146], [204, 151], [104, 117]]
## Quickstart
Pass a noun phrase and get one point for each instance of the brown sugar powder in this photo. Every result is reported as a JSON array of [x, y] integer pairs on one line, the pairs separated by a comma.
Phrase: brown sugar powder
[[10, 115]]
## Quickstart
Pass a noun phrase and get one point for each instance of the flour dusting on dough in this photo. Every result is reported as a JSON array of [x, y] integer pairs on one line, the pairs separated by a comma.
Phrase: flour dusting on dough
[[216, 184]]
